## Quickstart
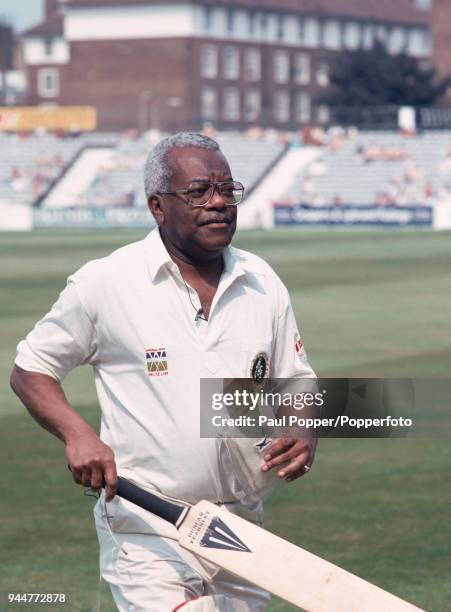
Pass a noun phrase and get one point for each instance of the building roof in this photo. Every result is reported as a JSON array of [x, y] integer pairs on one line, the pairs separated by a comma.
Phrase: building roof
[[399, 11], [53, 26]]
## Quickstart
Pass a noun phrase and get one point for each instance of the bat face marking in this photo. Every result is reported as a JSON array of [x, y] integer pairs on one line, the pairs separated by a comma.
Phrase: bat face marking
[[218, 535]]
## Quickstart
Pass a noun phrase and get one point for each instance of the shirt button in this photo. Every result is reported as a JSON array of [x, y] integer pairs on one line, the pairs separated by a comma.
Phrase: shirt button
[[211, 361]]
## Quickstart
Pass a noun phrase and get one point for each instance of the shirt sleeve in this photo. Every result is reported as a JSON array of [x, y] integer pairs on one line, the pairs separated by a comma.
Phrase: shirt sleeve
[[64, 339], [289, 359]]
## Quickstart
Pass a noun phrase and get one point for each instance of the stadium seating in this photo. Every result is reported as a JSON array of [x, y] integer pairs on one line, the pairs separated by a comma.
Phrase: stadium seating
[[120, 182], [29, 164], [348, 167], [375, 168]]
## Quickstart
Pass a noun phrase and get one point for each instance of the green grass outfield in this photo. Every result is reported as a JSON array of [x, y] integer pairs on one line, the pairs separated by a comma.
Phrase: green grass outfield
[[369, 304]]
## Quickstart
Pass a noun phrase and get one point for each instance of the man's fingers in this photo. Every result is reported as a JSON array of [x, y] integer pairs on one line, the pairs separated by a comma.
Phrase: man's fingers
[[96, 479], [110, 481], [279, 445], [279, 459], [76, 475], [295, 468], [86, 477]]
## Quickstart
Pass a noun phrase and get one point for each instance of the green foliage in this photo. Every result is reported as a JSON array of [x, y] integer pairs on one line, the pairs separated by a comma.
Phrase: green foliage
[[374, 77]]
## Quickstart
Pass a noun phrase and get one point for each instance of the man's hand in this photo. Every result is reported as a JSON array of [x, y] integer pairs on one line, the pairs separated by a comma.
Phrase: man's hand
[[299, 452], [92, 463], [90, 460]]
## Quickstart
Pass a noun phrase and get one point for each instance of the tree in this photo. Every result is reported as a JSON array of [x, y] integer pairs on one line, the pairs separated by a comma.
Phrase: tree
[[375, 77]]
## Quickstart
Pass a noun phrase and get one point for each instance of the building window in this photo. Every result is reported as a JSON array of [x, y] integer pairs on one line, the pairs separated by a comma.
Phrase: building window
[[281, 67], [368, 36], [48, 82], [207, 18], [264, 24], [332, 34], [281, 106], [323, 113], [302, 108], [48, 46], [322, 74], [209, 103], [252, 104], [209, 62], [252, 65], [251, 22], [280, 26], [231, 63], [381, 33], [352, 35], [419, 43], [301, 29], [424, 5], [230, 20], [397, 40], [231, 109], [301, 68], [312, 32]]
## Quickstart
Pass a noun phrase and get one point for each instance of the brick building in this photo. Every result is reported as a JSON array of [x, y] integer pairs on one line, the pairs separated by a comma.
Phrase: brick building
[[440, 28], [182, 63]]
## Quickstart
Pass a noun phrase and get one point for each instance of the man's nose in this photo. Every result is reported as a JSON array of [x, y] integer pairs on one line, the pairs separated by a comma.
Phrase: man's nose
[[217, 200]]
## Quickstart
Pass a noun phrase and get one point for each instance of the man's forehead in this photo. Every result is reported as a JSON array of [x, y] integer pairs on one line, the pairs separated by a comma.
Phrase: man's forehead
[[186, 160]]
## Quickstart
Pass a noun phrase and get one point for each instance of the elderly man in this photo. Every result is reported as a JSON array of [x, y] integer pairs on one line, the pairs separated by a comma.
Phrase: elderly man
[[152, 319]]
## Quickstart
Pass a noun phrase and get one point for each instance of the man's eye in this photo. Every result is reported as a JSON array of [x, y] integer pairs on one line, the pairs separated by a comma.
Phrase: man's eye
[[198, 191], [228, 189]]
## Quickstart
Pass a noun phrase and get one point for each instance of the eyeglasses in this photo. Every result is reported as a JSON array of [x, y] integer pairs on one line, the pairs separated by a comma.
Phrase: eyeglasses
[[199, 193]]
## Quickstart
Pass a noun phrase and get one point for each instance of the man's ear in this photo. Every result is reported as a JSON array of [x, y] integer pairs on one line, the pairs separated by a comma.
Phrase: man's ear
[[154, 204]]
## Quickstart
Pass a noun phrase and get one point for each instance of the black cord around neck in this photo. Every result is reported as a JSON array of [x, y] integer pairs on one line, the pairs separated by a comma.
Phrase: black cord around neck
[[199, 311]]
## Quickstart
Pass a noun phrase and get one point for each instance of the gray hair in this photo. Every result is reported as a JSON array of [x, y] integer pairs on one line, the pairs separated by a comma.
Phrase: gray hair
[[157, 171]]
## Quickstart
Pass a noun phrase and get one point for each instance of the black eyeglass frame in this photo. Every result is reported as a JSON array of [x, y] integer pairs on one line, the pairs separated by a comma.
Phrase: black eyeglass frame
[[216, 187]]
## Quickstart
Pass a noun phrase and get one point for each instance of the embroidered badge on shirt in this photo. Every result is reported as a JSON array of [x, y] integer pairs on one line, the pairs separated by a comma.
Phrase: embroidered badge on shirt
[[157, 364], [260, 368]]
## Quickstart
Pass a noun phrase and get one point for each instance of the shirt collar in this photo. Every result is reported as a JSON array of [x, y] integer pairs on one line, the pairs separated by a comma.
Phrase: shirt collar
[[158, 258], [156, 253]]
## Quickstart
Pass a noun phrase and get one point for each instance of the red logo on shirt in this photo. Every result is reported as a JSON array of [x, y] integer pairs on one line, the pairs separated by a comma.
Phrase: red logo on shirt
[[157, 364], [299, 346]]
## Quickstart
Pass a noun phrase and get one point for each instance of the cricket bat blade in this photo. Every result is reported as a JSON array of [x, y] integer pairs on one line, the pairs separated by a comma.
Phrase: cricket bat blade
[[286, 570]]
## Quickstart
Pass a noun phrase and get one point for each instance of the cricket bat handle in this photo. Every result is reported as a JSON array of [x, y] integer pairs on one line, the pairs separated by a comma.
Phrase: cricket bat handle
[[149, 501]]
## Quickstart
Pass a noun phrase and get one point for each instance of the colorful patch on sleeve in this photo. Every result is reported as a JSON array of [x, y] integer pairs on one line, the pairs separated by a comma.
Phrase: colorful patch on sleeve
[[157, 364]]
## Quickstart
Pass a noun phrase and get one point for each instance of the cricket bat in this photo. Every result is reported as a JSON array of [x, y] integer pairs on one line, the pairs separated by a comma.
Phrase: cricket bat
[[262, 558]]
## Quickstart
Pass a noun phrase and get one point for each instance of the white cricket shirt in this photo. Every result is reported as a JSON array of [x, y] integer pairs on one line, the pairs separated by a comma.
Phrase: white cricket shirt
[[129, 316]]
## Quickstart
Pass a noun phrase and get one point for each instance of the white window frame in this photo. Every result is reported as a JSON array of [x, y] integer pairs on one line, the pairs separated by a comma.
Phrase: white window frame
[[252, 64], [252, 104], [368, 35], [281, 106], [323, 113], [332, 34], [231, 110], [281, 66], [209, 103], [303, 107], [302, 68], [209, 62], [397, 39], [42, 83], [352, 35], [207, 18], [231, 63], [323, 73]]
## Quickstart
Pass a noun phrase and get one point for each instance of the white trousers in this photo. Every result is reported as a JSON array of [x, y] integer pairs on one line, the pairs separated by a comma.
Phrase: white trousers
[[151, 573]]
